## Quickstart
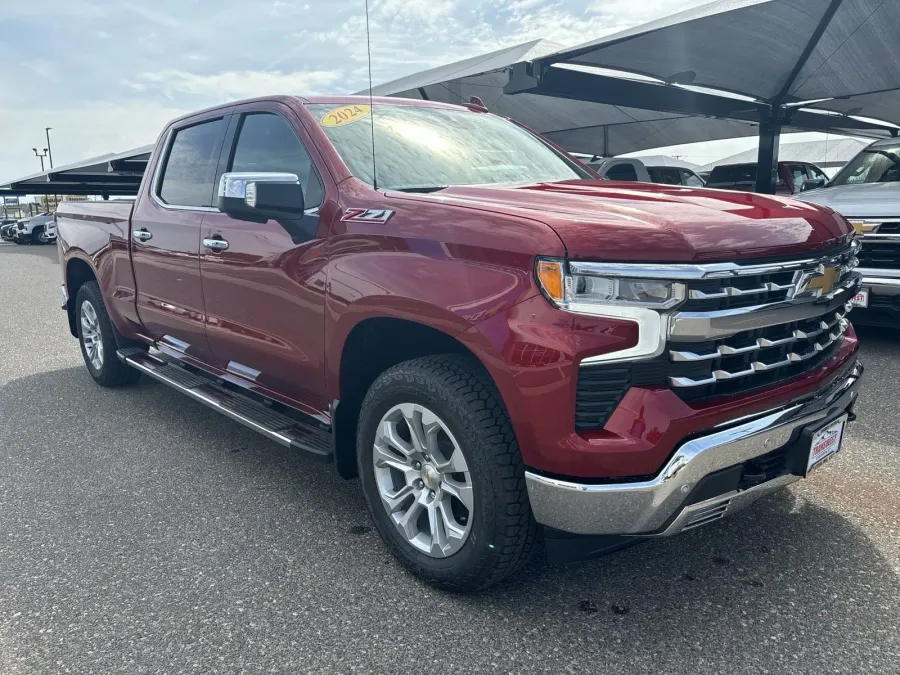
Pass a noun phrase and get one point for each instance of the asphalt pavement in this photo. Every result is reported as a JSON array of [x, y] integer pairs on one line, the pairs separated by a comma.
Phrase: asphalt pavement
[[143, 533]]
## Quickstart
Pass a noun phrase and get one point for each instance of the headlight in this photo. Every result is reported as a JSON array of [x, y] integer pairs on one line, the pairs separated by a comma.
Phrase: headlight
[[582, 287], [606, 290]]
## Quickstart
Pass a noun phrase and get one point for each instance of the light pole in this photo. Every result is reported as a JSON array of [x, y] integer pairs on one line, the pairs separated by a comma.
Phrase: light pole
[[49, 151], [41, 155]]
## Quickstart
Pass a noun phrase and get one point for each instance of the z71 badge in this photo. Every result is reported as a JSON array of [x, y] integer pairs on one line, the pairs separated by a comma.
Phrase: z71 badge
[[367, 215]]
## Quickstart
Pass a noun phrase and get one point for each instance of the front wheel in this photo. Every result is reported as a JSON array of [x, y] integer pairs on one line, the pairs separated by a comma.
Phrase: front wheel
[[442, 473], [97, 337]]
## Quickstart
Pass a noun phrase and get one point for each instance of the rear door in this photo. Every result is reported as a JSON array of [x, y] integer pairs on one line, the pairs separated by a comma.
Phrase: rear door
[[265, 293], [165, 236]]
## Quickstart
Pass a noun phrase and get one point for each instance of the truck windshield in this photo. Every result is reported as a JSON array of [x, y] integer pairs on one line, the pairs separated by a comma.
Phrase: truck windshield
[[423, 148], [873, 165]]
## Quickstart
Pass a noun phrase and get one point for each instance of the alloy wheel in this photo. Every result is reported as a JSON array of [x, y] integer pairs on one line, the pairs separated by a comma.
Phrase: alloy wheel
[[423, 480], [91, 336]]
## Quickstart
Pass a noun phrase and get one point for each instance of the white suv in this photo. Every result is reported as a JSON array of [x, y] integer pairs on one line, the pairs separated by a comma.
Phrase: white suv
[[37, 230]]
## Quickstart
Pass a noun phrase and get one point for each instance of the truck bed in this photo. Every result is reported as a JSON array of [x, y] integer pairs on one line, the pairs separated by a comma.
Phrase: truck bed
[[109, 212]]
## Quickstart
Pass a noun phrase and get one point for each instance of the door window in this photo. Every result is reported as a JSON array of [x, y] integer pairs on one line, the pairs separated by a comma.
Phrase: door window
[[798, 175], [189, 175], [621, 172], [266, 142], [691, 179]]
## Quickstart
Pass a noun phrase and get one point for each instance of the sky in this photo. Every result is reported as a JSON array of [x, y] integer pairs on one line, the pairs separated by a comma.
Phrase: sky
[[107, 75]]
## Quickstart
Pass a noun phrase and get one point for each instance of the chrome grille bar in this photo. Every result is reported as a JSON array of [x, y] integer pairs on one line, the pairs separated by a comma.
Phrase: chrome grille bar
[[760, 366], [760, 343]]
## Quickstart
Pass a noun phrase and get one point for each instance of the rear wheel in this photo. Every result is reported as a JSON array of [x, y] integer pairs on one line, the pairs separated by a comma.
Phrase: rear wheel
[[97, 337], [442, 473]]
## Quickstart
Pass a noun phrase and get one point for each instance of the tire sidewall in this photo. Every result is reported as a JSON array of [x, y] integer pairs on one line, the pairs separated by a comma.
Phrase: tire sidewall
[[472, 557]]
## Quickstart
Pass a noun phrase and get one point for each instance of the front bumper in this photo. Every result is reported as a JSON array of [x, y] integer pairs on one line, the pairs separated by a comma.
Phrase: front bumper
[[668, 503], [884, 299]]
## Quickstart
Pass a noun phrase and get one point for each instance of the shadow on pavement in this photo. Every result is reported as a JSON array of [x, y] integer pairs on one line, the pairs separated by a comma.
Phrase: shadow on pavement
[[168, 514], [48, 251]]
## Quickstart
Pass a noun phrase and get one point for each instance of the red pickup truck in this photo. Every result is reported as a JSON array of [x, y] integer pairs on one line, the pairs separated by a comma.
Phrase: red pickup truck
[[503, 347]]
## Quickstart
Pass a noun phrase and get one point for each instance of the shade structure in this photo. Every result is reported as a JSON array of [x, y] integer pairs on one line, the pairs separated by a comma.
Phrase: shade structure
[[577, 126], [107, 175], [766, 61]]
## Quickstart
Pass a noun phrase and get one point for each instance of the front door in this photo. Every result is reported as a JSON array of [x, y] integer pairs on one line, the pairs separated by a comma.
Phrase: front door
[[265, 293], [165, 236]]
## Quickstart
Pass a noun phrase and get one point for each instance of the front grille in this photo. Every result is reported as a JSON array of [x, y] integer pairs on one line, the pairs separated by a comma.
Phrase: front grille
[[753, 359], [889, 228], [880, 254]]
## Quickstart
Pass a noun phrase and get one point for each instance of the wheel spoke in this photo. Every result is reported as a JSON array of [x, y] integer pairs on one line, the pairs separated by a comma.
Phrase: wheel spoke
[[456, 463], [385, 458], [460, 491], [452, 528], [395, 500], [439, 542], [408, 524], [86, 326], [389, 434], [413, 417]]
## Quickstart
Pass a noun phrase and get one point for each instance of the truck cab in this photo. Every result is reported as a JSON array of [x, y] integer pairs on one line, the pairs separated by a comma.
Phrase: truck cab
[[501, 346]]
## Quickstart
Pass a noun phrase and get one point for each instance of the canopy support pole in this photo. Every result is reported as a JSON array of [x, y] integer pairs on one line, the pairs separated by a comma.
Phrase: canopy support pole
[[767, 156]]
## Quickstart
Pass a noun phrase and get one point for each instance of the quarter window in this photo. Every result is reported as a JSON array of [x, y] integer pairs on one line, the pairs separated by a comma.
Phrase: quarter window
[[266, 142], [189, 175]]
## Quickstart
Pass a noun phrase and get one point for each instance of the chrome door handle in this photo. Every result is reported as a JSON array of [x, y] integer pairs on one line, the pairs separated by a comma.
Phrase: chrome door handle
[[215, 244], [141, 235]]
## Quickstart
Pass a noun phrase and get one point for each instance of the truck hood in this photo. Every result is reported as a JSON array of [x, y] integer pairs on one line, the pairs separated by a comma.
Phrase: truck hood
[[607, 220], [861, 200]]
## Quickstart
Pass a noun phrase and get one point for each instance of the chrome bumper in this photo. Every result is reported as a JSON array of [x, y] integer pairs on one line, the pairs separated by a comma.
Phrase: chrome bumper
[[882, 282], [656, 507]]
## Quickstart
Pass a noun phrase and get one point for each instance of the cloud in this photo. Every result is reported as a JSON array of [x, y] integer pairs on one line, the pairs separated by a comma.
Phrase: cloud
[[107, 75], [235, 84]]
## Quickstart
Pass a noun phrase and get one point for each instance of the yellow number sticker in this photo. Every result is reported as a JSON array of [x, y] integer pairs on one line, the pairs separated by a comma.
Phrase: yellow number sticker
[[345, 115]]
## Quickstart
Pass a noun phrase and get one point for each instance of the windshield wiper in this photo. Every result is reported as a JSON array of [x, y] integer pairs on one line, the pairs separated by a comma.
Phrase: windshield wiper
[[422, 188]]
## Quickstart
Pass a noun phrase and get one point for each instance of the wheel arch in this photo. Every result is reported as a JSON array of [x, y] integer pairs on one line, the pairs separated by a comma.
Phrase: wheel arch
[[78, 272], [371, 347]]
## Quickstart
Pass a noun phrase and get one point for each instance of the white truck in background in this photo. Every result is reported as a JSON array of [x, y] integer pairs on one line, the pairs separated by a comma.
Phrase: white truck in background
[[867, 192]]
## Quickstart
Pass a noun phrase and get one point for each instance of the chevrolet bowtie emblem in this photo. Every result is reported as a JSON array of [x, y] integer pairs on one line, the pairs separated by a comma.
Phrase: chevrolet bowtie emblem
[[819, 283]]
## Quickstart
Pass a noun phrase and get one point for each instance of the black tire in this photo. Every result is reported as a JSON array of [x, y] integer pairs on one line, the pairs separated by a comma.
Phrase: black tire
[[112, 372], [36, 235], [503, 531]]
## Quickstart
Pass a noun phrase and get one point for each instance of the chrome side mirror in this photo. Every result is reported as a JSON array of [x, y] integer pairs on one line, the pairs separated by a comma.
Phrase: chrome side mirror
[[262, 196]]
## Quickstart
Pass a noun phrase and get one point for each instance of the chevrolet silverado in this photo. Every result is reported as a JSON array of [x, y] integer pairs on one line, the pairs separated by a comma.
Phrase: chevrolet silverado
[[503, 347]]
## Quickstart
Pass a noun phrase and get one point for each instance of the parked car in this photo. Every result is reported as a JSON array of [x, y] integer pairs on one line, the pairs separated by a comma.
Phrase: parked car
[[634, 169], [501, 351], [790, 180], [867, 191], [33, 230], [8, 230], [674, 175]]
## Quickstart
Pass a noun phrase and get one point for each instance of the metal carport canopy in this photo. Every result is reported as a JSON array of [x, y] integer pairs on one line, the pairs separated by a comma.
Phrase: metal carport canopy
[[113, 174], [754, 60], [577, 126]]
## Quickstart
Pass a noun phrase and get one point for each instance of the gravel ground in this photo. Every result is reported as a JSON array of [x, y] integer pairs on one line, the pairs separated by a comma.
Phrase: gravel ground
[[143, 533]]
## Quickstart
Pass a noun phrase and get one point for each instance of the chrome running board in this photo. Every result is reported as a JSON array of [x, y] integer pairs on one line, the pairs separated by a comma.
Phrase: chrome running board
[[281, 428]]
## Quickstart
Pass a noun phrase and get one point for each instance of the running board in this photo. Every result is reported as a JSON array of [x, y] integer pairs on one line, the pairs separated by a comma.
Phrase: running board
[[280, 428]]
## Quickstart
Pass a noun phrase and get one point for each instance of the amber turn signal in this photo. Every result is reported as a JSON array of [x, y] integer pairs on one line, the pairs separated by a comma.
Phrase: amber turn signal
[[550, 275]]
